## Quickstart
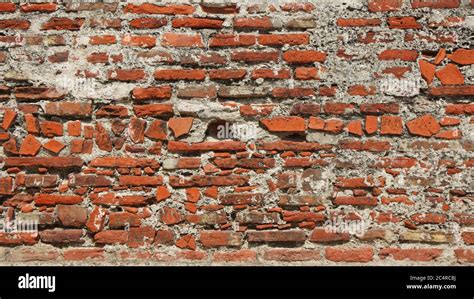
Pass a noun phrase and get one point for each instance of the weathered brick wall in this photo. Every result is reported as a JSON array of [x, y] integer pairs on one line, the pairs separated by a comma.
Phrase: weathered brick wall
[[116, 122]]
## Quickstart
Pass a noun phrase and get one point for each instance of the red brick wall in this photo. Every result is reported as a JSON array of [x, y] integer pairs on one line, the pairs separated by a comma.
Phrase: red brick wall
[[115, 132]]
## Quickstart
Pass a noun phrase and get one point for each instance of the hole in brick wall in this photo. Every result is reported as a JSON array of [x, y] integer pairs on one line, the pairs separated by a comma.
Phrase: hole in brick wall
[[213, 128]]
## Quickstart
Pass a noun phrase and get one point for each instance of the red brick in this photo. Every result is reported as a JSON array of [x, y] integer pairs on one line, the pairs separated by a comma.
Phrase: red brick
[[253, 56], [360, 182], [68, 236], [227, 74], [124, 162], [72, 215], [152, 93], [197, 23], [165, 237], [16, 24], [197, 91], [232, 40], [450, 75], [48, 162], [158, 110], [38, 254], [63, 24], [220, 238], [112, 111], [110, 199], [462, 56], [9, 117], [140, 180], [333, 126], [361, 90], [296, 7], [385, 5], [102, 40], [259, 23], [180, 74], [468, 238], [305, 109], [371, 124], [182, 40], [38, 7], [404, 55], [403, 23], [316, 123], [204, 181], [7, 7], [463, 90], [327, 91], [449, 134], [464, 255], [415, 254], [162, 193], [157, 130], [6, 185], [391, 125], [303, 56], [289, 236], [398, 71], [111, 237], [440, 56], [283, 39], [449, 121], [30, 146], [401, 162], [245, 255], [148, 23], [51, 128], [306, 73], [435, 3], [355, 127], [78, 109], [427, 70], [320, 235], [145, 41], [292, 92], [355, 201], [429, 218], [148, 8], [284, 124], [186, 242], [123, 219], [32, 124], [271, 74], [96, 220], [136, 130], [180, 126], [171, 216], [10, 239], [82, 254], [359, 255], [102, 138], [358, 22], [126, 75], [176, 146], [98, 58], [54, 146], [220, 9], [291, 255], [425, 126], [338, 108], [284, 145]]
